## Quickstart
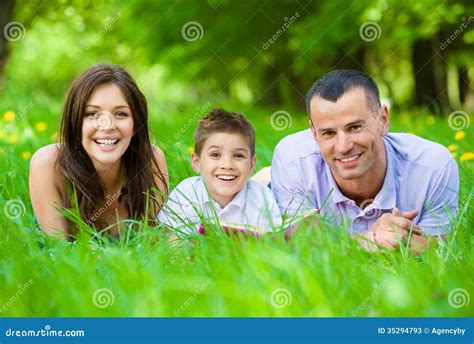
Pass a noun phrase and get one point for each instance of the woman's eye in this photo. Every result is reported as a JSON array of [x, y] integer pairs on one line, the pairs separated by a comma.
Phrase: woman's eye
[[121, 114], [91, 113]]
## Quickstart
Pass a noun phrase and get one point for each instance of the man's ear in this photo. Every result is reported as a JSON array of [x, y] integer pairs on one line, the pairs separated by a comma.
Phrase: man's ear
[[195, 162], [384, 120], [313, 130], [253, 162]]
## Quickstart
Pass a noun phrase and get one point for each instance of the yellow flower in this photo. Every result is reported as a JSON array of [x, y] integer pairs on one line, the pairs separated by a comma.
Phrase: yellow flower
[[467, 156], [13, 138], [191, 149], [9, 116], [40, 127], [26, 155], [431, 120], [55, 137], [452, 148], [459, 135]]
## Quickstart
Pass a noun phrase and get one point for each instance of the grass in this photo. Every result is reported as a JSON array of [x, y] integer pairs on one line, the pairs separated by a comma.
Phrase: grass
[[319, 273]]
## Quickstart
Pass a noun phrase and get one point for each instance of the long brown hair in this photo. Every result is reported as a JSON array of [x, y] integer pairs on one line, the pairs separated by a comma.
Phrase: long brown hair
[[138, 160]]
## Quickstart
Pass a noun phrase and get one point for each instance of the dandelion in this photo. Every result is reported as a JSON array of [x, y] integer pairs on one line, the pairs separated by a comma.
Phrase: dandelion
[[40, 127], [191, 149], [9, 116], [467, 156], [452, 148], [13, 138], [26, 155], [431, 120], [55, 137], [459, 135]]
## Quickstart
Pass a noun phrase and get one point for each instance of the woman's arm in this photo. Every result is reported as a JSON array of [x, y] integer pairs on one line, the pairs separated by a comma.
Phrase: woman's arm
[[162, 186], [45, 194]]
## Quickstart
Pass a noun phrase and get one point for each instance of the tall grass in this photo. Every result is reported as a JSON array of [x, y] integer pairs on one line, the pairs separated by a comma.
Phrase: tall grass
[[321, 272]]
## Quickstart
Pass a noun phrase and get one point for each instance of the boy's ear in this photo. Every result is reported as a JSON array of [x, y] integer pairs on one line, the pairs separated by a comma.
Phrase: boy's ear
[[195, 162], [253, 162]]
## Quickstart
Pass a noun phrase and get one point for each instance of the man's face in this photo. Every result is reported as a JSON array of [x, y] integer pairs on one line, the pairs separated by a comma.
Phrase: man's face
[[349, 133]]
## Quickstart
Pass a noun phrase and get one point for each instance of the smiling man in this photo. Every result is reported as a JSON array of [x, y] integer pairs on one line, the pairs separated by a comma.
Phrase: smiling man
[[380, 185]]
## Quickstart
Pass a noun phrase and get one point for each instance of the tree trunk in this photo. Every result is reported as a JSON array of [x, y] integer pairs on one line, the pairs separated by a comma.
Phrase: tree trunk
[[463, 82]]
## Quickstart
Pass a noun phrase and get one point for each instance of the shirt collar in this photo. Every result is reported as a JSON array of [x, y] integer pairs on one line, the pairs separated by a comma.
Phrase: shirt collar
[[238, 200], [385, 198]]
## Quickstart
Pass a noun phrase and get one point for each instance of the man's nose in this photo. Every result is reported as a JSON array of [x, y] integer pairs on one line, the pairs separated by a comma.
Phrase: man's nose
[[344, 143]]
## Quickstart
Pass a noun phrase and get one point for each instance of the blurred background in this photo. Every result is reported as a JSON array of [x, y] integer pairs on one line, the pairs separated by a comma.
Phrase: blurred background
[[256, 57]]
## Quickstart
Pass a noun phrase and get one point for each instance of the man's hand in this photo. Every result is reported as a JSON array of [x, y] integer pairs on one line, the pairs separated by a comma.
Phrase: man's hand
[[390, 230]]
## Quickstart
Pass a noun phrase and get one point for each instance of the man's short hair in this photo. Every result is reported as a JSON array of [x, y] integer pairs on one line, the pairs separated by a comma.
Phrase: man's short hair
[[222, 121], [333, 85]]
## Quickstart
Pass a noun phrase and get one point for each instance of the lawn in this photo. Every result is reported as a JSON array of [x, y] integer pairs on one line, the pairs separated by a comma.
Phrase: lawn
[[319, 273]]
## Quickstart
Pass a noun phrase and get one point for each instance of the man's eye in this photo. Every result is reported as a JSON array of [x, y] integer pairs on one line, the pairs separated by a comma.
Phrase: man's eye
[[356, 128], [328, 133]]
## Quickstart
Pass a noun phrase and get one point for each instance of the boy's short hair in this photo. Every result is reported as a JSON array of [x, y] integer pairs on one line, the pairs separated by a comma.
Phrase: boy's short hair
[[222, 121]]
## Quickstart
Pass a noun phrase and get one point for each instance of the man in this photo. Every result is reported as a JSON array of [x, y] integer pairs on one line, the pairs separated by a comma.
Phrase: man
[[385, 187]]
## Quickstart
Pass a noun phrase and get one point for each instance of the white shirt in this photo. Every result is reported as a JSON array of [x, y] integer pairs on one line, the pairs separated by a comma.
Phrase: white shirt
[[190, 202]]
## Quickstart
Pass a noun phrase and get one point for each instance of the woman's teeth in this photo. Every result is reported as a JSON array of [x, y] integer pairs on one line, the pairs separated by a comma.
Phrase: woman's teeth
[[106, 142]]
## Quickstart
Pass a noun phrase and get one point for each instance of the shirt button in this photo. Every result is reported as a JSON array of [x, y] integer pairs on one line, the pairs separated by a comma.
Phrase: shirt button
[[357, 220]]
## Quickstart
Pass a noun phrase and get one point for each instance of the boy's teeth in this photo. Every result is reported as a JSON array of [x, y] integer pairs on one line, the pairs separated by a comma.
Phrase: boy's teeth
[[352, 158], [227, 177], [106, 142]]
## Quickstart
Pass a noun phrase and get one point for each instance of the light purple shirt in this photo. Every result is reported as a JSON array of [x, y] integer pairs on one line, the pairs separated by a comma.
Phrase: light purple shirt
[[253, 205], [420, 175]]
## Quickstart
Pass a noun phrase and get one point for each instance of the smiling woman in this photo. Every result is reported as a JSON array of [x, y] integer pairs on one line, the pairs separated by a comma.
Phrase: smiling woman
[[104, 164]]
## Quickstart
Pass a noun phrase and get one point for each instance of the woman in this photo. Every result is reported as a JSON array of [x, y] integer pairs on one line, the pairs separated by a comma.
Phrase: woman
[[104, 164]]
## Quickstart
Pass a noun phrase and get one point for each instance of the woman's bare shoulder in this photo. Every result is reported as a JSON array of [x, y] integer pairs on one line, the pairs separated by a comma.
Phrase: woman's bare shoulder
[[44, 160]]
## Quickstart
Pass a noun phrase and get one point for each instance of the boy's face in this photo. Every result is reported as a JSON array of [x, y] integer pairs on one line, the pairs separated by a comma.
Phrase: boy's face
[[225, 164]]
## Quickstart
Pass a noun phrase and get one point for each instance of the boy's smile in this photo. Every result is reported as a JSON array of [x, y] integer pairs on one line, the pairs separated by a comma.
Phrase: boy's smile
[[225, 164]]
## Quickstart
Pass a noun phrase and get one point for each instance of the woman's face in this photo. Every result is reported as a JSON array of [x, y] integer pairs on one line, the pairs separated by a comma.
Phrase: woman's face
[[107, 126]]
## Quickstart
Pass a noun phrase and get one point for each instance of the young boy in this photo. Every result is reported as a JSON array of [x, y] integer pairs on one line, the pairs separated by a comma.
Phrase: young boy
[[224, 156]]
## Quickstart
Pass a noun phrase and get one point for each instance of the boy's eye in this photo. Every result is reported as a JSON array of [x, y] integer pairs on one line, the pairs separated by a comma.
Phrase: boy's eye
[[239, 156], [214, 155]]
